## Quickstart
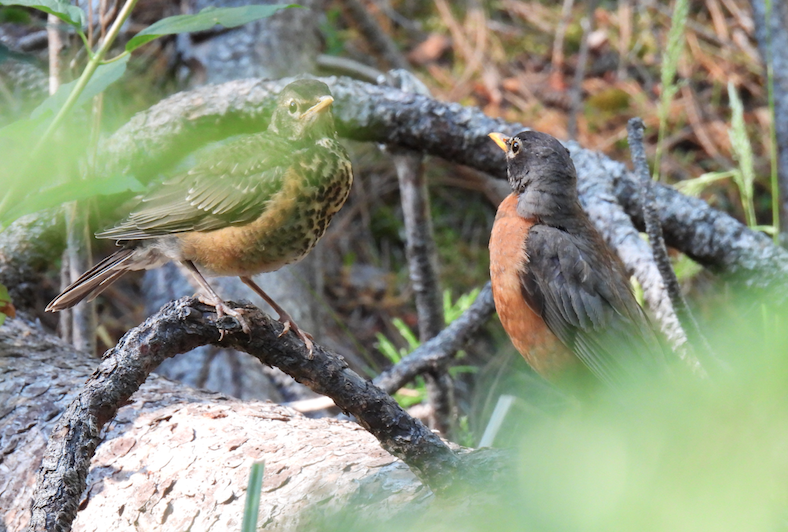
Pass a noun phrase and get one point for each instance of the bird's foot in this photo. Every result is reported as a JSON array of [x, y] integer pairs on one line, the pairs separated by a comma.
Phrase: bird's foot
[[290, 325], [222, 310]]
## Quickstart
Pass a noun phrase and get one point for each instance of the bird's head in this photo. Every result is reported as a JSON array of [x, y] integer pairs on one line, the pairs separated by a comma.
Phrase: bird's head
[[532, 155], [540, 171], [303, 111]]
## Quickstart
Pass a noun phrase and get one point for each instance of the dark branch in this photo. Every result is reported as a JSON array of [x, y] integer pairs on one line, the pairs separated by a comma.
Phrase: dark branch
[[670, 284], [686, 321], [183, 325]]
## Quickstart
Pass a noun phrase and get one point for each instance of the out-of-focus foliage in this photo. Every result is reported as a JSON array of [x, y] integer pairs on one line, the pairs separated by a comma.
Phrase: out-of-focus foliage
[[415, 394], [41, 175], [686, 455], [252, 503]]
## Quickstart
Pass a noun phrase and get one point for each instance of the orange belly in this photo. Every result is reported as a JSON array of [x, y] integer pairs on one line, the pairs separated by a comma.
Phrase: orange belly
[[527, 330]]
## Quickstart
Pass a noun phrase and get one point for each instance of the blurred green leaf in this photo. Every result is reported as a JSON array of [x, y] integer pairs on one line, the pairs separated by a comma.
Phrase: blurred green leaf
[[63, 10], [252, 503], [685, 267], [406, 333], [104, 76], [742, 151], [696, 185], [452, 311], [72, 191], [229, 17], [388, 349]]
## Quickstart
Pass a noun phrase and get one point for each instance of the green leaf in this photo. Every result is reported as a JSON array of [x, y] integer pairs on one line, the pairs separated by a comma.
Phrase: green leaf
[[104, 76], [252, 503], [406, 333], [63, 10], [388, 349], [72, 191], [229, 17]]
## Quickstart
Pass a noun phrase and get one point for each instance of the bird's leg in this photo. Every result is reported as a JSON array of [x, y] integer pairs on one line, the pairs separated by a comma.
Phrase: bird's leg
[[284, 317], [214, 300]]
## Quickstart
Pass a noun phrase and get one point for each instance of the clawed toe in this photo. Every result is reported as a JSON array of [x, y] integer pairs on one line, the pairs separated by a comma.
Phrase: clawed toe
[[290, 325], [222, 310]]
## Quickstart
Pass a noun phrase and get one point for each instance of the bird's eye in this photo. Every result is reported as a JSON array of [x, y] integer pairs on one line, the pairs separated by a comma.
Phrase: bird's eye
[[515, 146], [293, 107]]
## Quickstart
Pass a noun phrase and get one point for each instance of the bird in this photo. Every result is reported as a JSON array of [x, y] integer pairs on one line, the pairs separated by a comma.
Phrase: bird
[[562, 295], [251, 206]]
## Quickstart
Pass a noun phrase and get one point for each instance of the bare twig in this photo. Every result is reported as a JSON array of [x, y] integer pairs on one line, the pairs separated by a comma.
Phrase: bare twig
[[348, 67], [434, 354], [773, 45], [557, 58], [183, 325], [625, 35], [635, 128], [80, 258]]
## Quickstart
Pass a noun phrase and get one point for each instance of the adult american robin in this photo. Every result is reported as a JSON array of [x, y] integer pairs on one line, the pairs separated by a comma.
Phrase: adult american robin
[[562, 296], [251, 206]]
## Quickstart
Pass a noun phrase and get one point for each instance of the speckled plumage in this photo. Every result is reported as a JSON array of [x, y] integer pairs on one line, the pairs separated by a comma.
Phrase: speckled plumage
[[251, 206]]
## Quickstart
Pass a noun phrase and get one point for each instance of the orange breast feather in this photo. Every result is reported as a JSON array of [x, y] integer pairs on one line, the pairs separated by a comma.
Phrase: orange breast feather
[[508, 260]]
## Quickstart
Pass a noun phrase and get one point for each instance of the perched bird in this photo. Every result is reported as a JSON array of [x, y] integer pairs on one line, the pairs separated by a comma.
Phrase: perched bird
[[562, 295], [251, 206]]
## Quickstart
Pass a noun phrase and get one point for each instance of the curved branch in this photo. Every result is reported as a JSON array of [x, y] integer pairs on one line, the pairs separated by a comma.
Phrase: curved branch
[[183, 325]]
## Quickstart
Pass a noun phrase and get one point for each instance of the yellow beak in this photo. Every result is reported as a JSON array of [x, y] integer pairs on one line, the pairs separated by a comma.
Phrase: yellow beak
[[500, 140], [321, 104]]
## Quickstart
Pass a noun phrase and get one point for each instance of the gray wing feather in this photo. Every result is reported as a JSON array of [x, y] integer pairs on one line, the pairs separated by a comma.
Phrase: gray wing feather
[[588, 311]]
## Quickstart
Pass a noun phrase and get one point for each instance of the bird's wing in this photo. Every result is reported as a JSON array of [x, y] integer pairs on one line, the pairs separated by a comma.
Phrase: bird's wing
[[593, 312], [233, 185]]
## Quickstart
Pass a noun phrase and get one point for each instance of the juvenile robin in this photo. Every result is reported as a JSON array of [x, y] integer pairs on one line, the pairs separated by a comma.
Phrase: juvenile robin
[[562, 295], [252, 206]]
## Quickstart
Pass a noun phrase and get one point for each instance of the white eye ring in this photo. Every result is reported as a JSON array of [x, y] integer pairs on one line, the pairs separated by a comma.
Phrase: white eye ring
[[293, 107]]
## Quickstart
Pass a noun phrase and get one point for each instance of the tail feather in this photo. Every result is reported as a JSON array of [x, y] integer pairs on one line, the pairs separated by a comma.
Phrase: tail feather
[[94, 281]]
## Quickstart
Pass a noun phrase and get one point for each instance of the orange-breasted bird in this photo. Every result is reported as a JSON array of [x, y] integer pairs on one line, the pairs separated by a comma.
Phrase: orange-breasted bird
[[251, 206], [563, 297]]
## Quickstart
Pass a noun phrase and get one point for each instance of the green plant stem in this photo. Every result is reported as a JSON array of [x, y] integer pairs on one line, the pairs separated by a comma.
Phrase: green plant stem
[[94, 62], [90, 69], [116, 58]]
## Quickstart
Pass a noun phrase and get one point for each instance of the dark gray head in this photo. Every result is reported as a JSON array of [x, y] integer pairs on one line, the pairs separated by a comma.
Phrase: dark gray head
[[541, 172], [303, 111]]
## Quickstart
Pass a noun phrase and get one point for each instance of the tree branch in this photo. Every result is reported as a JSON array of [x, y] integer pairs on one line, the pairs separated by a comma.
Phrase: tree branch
[[183, 325]]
